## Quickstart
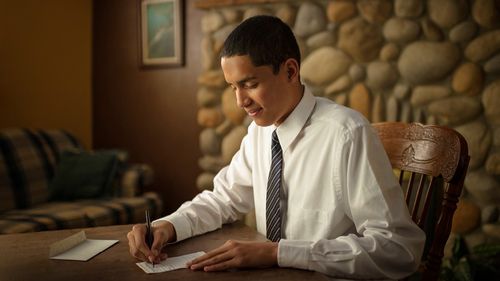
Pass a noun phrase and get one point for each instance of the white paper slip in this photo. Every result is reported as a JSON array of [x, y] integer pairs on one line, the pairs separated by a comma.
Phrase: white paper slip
[[169, 264], [78, 248]]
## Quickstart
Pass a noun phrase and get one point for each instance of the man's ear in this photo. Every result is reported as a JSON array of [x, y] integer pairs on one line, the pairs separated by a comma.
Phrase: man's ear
[[292, 68]]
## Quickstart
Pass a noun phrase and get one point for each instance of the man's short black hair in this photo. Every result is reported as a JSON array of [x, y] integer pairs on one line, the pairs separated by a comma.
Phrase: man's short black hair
[[265, 39]]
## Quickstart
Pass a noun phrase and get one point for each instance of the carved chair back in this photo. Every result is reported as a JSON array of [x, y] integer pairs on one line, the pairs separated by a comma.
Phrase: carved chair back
[[436, 159]]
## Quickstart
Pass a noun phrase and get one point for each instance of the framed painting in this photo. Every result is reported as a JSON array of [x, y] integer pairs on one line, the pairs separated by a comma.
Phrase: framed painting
[[161, 33]]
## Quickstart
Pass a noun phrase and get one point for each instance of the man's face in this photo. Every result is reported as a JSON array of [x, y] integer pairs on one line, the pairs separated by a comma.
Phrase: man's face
[[261, 93]]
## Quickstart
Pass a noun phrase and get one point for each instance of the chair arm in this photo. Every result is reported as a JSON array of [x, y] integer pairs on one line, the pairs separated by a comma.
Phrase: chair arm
[[134, 179]]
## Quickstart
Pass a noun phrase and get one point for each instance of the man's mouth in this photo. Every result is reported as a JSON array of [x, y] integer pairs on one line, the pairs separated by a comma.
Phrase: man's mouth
[[254, 112]]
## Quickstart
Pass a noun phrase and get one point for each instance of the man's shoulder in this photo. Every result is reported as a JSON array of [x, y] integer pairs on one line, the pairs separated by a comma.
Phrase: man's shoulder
[[332, 114]]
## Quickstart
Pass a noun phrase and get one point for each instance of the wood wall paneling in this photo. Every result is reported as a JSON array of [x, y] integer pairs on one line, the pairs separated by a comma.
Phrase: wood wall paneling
[[151, 113]]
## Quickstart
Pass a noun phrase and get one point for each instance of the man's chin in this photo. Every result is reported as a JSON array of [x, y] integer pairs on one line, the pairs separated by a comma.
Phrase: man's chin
[[262, 123]]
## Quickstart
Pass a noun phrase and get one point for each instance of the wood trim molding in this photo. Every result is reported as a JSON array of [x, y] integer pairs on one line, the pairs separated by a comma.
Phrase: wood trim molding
[[207, 4]]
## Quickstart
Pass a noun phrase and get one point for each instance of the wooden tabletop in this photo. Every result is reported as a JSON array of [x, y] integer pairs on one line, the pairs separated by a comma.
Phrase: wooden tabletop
[[26, 257]]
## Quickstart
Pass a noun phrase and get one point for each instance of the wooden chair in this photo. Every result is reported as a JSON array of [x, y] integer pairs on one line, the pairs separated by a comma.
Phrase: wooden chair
[[437, 157]]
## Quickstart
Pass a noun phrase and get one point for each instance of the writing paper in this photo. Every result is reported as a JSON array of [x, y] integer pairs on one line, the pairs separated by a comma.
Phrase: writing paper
[[169, 263]]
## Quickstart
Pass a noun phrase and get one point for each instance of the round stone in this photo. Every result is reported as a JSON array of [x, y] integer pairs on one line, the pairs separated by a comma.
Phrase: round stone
[[486, 13], [447, 13], [378, 112], [339, 85], [341, 99], [316, 72], [361, 40], [256, 11], [468, 79], [224, 128], [423, 62], [340, 11], [492, 65], [479, 140], [431, 31], [357, 72], [496, 136], [231, 15], [375, 11], [389, 52], [493, 164], [401, 30], [209, 142], [406, 113], [207, 97], [310, 19], [401, 91], [232, 142], [483, 187], [484, 46], [212, 78], [211, 164], [491, 100], [210, 117], [467, 217], [408, 8], [207, 53], [321, 39], [381, 75], [286, 13], [393, 107], [211, 21], [463, 32], [230, 108], [205, 181], [423, 95], [492, 230], [455, 110], [220, 36], [477, 237], [359, 100], [489, 214]]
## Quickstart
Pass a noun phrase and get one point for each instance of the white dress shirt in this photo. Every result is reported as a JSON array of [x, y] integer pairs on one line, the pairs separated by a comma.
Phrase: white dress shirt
[[343, 212]]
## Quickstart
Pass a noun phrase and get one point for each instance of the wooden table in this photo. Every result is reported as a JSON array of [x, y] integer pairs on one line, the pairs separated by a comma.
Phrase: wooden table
[[26, 257]]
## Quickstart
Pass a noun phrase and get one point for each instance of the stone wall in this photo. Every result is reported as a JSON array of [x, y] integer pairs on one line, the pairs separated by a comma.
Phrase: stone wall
[[434, 62]]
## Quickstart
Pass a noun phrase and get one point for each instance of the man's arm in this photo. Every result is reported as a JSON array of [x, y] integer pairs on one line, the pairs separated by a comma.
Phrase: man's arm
[[231, 197], [386, 242]]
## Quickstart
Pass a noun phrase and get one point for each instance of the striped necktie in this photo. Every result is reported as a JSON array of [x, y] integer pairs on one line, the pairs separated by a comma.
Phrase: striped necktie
[[273, 213]]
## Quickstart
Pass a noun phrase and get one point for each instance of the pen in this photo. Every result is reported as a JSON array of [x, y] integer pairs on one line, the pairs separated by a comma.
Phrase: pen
[[149, 233]]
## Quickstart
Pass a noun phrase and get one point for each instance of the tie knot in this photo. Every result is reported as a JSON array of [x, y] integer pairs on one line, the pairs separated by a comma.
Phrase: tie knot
[[275, 138]]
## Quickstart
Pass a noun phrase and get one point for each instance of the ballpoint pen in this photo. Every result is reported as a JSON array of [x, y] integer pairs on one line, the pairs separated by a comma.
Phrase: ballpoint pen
[[149, 233]]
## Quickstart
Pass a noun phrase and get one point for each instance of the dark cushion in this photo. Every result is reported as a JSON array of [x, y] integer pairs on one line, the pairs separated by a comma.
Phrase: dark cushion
[[83, 175]]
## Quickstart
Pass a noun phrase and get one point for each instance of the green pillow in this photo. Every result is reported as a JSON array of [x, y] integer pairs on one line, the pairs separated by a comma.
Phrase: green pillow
[[84, 175]]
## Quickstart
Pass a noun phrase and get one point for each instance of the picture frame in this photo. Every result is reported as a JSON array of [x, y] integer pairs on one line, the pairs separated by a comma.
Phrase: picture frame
[[161, 33]]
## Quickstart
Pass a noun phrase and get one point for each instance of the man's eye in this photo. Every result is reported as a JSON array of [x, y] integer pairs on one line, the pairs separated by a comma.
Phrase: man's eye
[[251, 86]]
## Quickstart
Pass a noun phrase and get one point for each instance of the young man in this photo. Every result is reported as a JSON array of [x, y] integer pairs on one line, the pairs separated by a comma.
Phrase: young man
[[315, 172]]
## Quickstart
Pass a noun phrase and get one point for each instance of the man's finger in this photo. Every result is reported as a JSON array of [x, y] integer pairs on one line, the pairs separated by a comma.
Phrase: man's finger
[[215, 259], [139, 232], [217, 251], [133, 249]]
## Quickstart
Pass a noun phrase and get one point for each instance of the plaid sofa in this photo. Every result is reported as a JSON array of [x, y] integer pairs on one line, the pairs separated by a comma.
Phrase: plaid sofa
[[28, 160]]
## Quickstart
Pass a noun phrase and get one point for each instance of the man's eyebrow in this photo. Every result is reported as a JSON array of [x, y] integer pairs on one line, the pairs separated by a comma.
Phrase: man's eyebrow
[[243, 81]]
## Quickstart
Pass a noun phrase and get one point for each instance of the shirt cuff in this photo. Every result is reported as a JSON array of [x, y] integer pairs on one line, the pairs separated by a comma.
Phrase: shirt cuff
[[181, 225], [294, 253]]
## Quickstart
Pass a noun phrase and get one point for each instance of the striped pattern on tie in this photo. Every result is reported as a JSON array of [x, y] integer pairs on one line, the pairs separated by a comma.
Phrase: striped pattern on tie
[[273, 212]]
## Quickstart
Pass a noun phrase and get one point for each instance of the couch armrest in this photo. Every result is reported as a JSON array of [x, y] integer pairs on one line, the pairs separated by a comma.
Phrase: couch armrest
[[134, 179]]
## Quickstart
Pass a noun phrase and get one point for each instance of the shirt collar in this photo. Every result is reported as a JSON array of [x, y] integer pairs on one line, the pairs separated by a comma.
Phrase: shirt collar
[[293, 124]]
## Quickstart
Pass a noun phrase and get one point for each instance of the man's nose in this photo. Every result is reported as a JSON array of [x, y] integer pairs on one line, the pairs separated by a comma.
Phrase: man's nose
[[241, 98]]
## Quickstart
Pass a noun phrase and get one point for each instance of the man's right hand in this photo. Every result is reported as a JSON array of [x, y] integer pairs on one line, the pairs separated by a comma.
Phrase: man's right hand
[[163, 232]]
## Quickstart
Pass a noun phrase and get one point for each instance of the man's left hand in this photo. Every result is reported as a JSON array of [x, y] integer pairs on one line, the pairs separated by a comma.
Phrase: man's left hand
[[237, 254]]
